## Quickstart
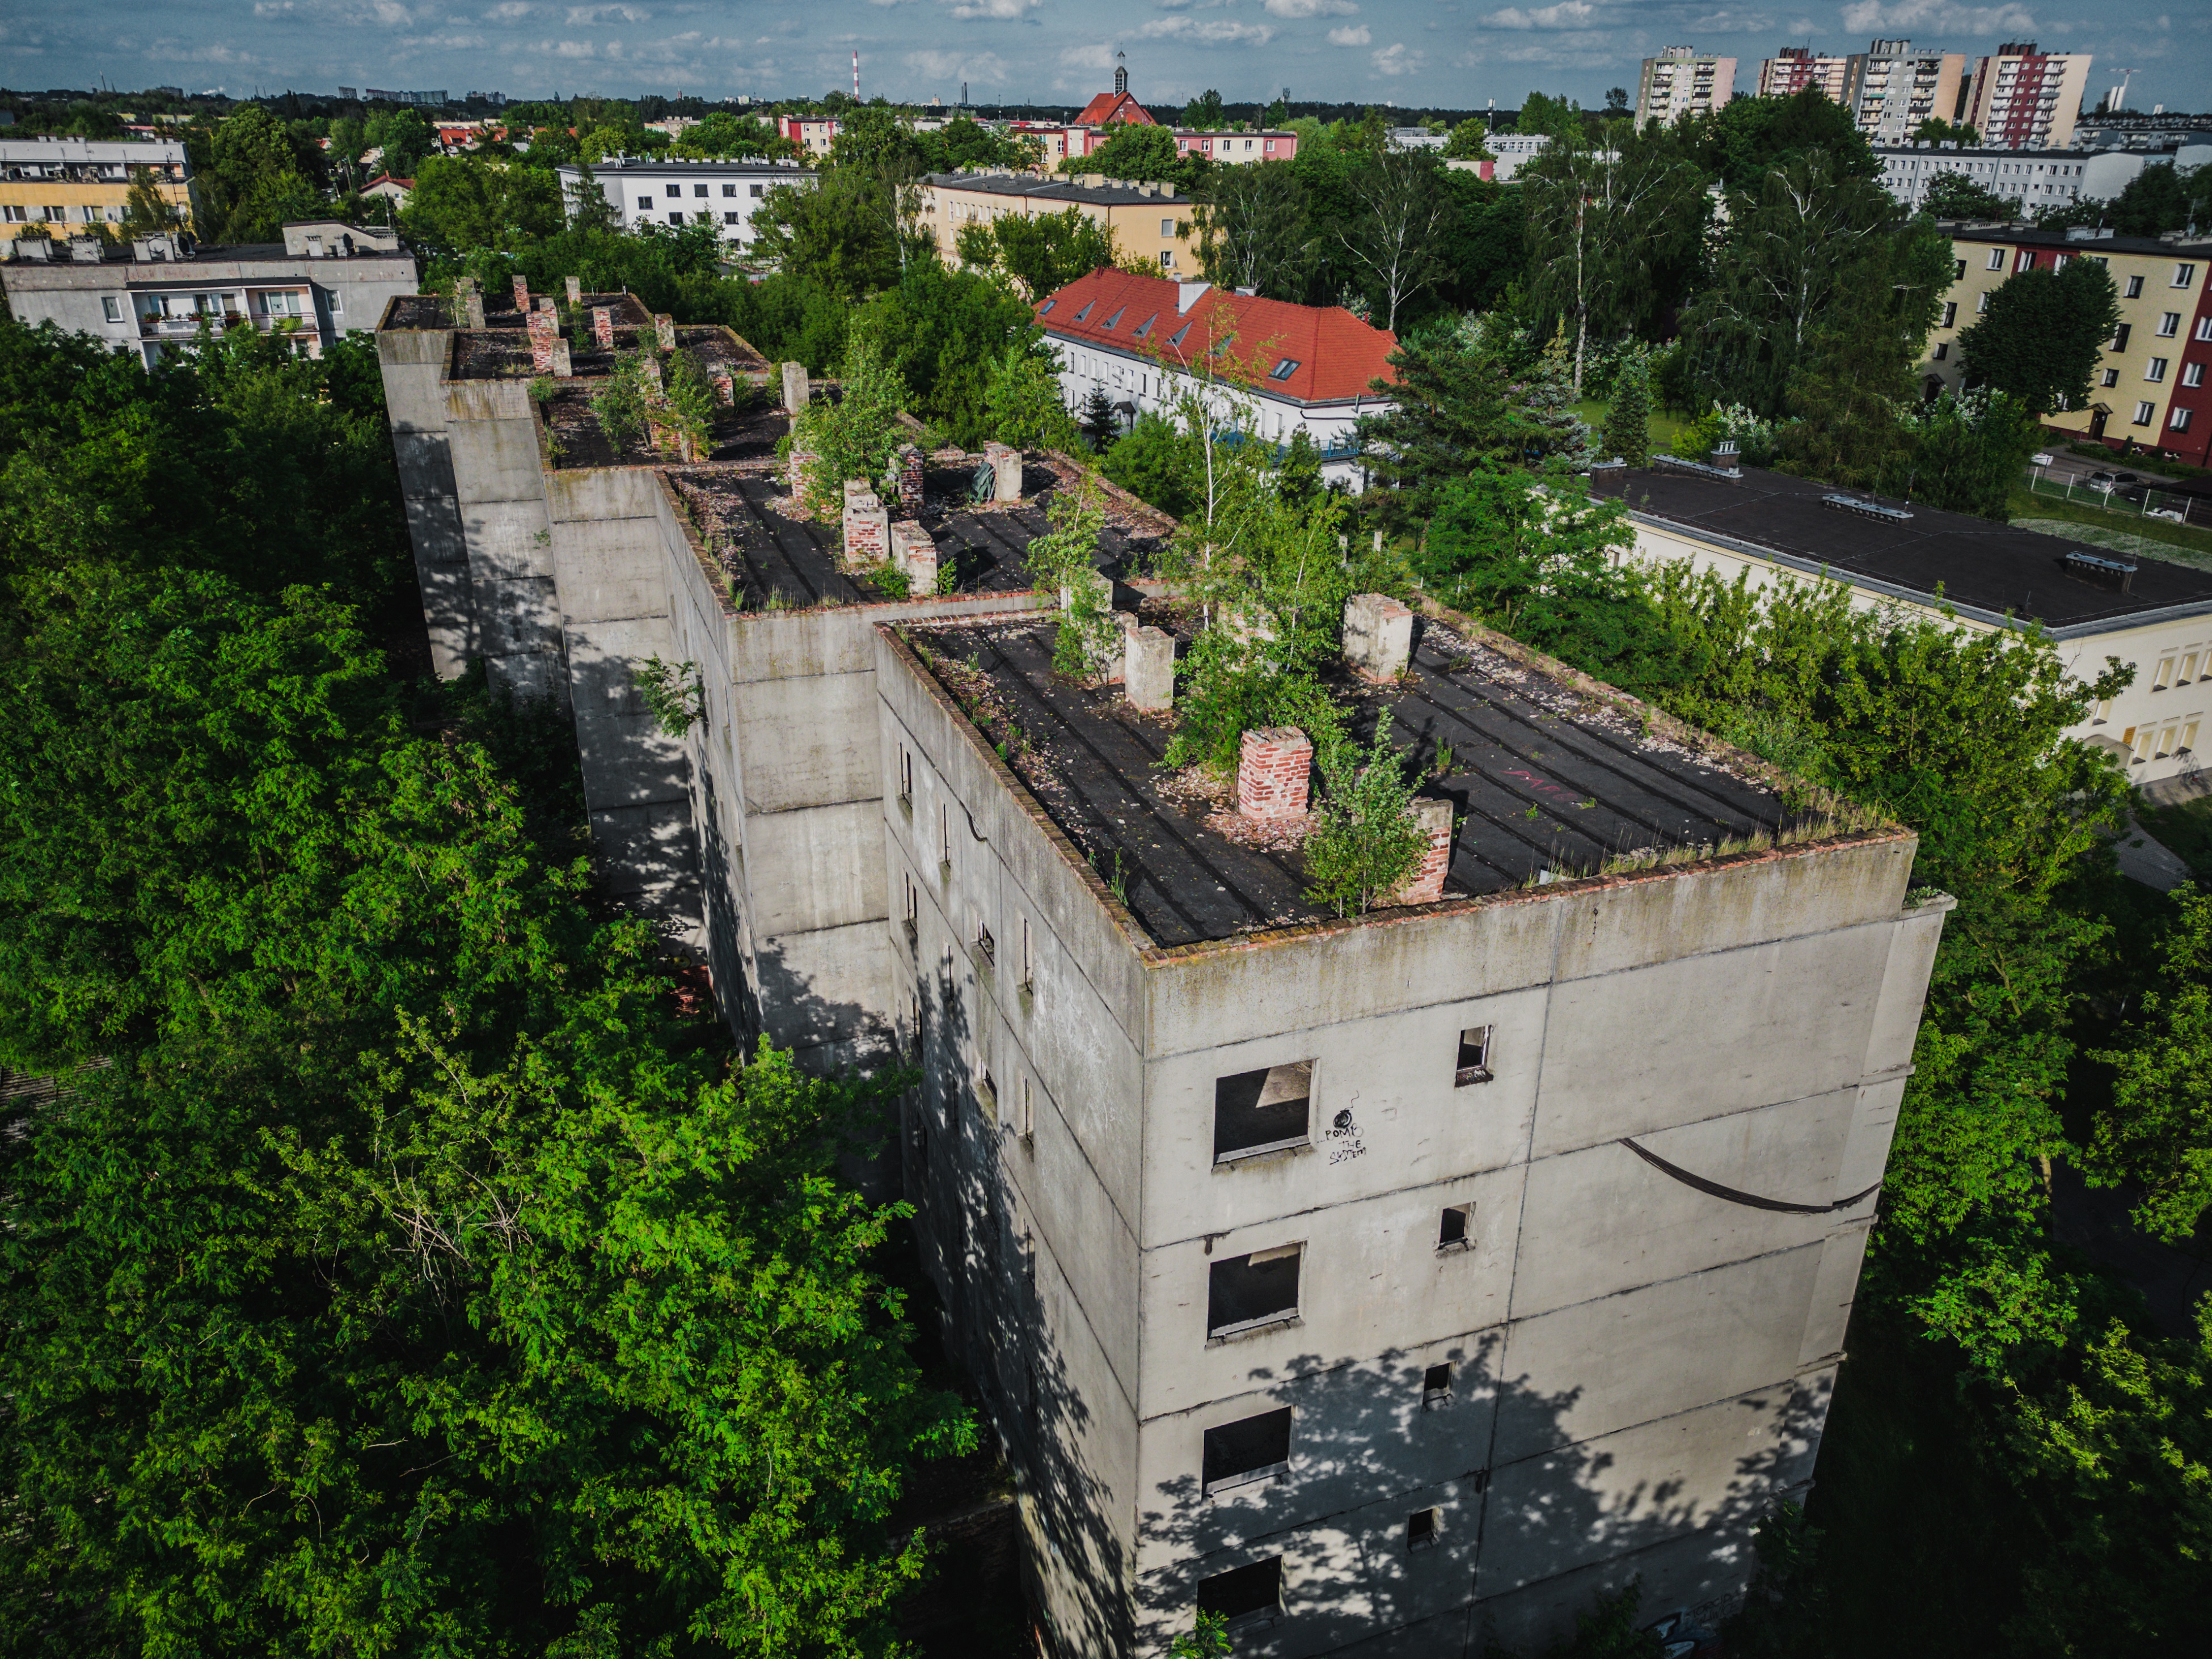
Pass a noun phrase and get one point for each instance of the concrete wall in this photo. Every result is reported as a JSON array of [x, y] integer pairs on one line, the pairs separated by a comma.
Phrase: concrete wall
[[414, 371], [491, 430]]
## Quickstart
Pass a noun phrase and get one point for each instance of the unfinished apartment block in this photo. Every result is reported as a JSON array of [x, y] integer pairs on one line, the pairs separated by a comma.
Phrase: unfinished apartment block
[[1387, 1284]]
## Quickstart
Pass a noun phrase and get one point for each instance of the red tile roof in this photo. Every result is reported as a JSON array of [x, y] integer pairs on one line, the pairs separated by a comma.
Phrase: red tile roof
[[1110, 107], [1336, 355]]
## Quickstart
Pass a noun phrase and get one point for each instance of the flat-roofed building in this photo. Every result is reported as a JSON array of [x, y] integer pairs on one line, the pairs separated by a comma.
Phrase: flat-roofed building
[[1149, 219], [670, 191], [1892, 90], [71, 185], [1793, 69], [2162, 287], [2023, 99], [1241, 148], [325, 280], [2094, 602], [2030, 178]]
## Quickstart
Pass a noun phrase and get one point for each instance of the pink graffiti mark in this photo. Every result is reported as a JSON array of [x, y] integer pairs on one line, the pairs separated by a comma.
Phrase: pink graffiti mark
[[1534, 782]]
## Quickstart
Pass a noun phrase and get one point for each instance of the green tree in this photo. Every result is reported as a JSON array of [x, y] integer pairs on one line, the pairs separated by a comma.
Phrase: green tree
[[405, 137], [1367, 841], [854, 437], [462, 202], [1748, 138], [1255, 232], [257, 175], [1937, 130], [1628, 419], [146, 211], [943, 332], [1453, 407], [1204, 111], [1102, 427], [1470, 140], [1954, 196], [721, 135], [1152, 463], [1388, 238], [1044, 252], [2042, 334], [1965, 453], [1559, 118], [2156, 200], [1138, 152], [841, 234], [1022, 400]]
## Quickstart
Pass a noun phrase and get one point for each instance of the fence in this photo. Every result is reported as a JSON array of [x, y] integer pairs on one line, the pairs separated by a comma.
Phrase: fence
[[2144, 500]]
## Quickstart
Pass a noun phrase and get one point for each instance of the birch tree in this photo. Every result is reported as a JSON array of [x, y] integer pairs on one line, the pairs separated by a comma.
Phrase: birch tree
[[1390, 237]]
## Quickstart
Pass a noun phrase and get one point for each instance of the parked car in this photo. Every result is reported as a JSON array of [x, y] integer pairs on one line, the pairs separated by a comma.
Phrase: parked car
[[2040, 458], [2102, 480]]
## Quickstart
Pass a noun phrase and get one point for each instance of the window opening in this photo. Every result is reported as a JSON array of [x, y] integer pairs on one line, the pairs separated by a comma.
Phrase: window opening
[[1252, 1449], [1248, 1292], [1247, 1593], [1457, 1229], [1267, 1110], [1437, 1387], [1474, 1065], [1283, 370], [1423, 1528], [1026, 1110]]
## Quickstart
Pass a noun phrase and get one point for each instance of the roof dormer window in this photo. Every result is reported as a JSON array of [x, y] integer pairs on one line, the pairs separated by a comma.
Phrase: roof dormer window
[[1283, 370], [1146, 327], [1115, 318], [1048, 305], [1176, 338], [1081, 314]]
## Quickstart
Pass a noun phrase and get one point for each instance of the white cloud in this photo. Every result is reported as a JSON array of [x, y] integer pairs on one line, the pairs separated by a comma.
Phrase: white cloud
[[271, 8], [1937, 14], [567, 48], [1355, 36], [1310, 8], [583, 16], [1567, 14], [985, 68], [509, 11], [1207, 34], [415, 43], [1099, 57], [1395, 59], [1002, 10], [391, 15]]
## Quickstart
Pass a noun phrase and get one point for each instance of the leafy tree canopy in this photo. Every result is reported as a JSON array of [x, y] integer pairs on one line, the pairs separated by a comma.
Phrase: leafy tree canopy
[[2043, 335], [1746, 137], [1954, 196]]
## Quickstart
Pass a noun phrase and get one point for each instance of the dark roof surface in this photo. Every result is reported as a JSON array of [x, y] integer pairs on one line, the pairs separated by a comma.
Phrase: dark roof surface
[[2028, 236], [1333, 357], [746, 519], [1542, 778], [490, 353], [1052, 190], [1977, 562], [434, 311]]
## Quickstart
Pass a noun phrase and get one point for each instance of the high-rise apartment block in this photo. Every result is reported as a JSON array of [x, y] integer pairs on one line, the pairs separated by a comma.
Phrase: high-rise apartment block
[[1375, 1281], [1681, 81], [2023, 99], [1793, 69], [1892, 90]]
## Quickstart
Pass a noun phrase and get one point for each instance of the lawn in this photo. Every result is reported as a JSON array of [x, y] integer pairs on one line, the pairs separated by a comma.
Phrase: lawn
[[2129, 529], [1664, 428]]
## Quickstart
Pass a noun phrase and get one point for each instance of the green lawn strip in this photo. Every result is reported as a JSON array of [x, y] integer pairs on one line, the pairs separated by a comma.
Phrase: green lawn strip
[[2158, 538], [1663, 428]]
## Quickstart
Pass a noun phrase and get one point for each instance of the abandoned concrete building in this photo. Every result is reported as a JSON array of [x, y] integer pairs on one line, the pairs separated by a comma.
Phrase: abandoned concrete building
[[1388, 1286]]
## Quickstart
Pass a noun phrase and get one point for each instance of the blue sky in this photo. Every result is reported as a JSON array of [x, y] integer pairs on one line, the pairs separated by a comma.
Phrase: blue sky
[[1452, 52]]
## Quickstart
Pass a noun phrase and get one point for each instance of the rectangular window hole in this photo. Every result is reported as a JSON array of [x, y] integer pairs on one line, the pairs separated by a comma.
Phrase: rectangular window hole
[[1252, 1592], [1246, 1292], [1455, 1231], [1254, 1449], [1437, 1387], [1474, 1056], [1425, 1530], [1262, 1111]]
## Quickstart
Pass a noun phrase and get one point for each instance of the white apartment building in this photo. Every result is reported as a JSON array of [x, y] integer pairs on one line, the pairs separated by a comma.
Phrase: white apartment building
[[2032, 178], [674, 192]]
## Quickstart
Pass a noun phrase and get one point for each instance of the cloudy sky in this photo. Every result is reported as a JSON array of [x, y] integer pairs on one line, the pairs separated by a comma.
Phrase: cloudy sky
[[1454, 53]]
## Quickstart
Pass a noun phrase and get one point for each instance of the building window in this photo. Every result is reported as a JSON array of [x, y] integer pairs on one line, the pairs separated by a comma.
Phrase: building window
[[1981, 303], [1425, 1530], [2204, 328], [1941, 353], [13, 215], [2157, 370], [756, 191], [698, 189], [1457, 1229], [2109, 377], [1473, 1065], [2169, 324], [2120, 338], [2143, 412], [1997, 258], [1950, 313], [1026, 1109], [56, 216], [645, 201], [733, 218], [1254, 1449], [945, 834], [2101, 713], [2192, 374], [675, 218], [1283, 370], [1244, 1595], [1268, 1110], [910, 911], [2135, 289], [1253, 1292], [675, 191], [2184, 275], [2180, 421], [1436, 1388], [729, 189], [1167, 258], [1028, 957], [112, 305]]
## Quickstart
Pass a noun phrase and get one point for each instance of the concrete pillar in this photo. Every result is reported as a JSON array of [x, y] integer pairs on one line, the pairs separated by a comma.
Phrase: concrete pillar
[[1378, 635], [1426, 884], [603, 327], [472, 309], [915, 553], [563, 369], [726, 386], [522, 292], [1006, 466], [906, 469], [545, 304], [867, 527], [575, 292], [663, 329], [543, 334], [1148, 670], [794, 387], [1271, 773]]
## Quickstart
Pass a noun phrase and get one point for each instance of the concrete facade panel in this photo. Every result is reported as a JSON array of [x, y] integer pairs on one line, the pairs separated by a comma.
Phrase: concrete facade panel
[[610, 570], [811, 742], [820, 866]]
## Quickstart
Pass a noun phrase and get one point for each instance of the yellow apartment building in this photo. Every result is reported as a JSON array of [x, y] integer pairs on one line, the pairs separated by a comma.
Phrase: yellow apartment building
[[70, 185], [1148, 220], [2159, 282]]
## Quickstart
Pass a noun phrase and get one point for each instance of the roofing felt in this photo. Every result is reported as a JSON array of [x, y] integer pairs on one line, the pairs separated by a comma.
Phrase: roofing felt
[[504, 353], [2028, 236], [796, 563], [1546, 781], [1979, 563], [1333, 356], [1031, 187], [436, 311]]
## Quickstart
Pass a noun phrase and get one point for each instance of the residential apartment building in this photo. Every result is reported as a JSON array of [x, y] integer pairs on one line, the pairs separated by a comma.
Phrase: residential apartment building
[[70, 185], [811, 133], [2029, 179], [668, 190], [1681, 81], [325, 280], [1146, 342], [1148, 220], [2023, 99], [2161, 284], [1513, 151], [1892, 90], [1239, 149], [1793, 69], [1974, 574], [1352, 1278]]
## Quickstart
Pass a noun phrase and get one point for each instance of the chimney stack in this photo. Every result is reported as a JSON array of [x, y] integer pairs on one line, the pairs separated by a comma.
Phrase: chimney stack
[[1271, 773]]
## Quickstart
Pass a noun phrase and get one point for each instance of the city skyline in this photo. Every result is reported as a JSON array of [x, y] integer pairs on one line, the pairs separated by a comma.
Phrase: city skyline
[[1447, 53]]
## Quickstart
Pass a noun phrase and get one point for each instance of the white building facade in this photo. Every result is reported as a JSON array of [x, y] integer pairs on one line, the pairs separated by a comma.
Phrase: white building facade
[[677, 192]]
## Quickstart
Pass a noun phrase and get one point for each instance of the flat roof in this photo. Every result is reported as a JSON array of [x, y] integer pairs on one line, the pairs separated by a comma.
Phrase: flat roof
[[1965, 230], [1545, 777], [1981, 565], [687, 164], [1118, 194], [491, 354], [794, 564], [436, 311]]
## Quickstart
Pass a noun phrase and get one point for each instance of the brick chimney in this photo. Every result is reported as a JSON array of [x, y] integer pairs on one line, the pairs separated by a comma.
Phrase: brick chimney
[[603, 327], [1426, 884], [1271, 773], [522, 292]]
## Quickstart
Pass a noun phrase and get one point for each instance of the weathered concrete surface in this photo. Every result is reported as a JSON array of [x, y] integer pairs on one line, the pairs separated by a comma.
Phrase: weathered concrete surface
[[413, 364]]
